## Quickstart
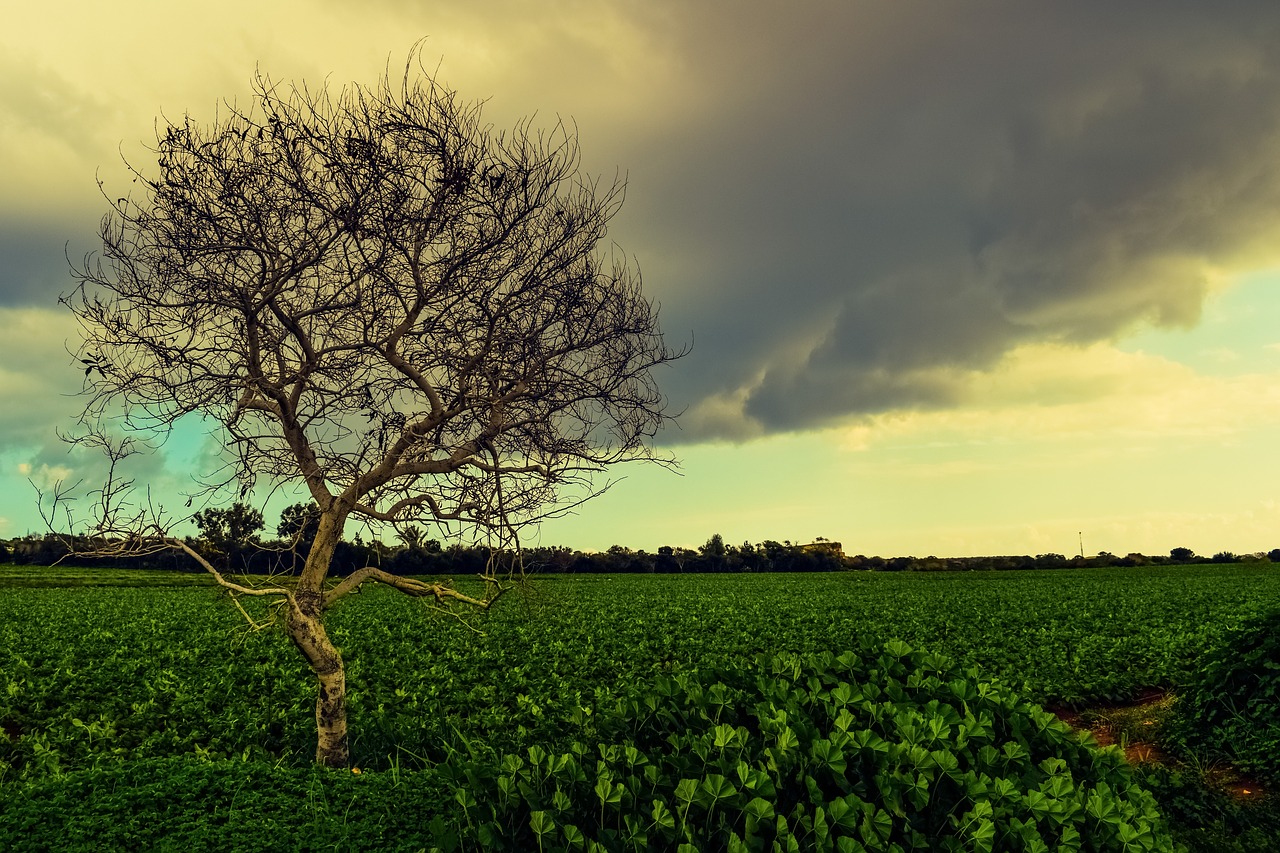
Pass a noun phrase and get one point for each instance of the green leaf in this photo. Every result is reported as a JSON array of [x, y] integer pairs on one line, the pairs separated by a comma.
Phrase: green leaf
[[844, 720], [898, 649], [541, 823], [662, 815], [573, 836], [821, 832], [725, 735], [717, 788], [983, 834], [634, 757], [844, 813], [605, 790], [946, 762], [1015, 752], [759, 808], [1053, 765], [876, 828], [636, 835], [829, 755]]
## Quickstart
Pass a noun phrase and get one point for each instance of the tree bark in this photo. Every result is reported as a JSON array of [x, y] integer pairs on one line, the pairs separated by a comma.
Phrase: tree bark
[[306, 629], [305, 626]]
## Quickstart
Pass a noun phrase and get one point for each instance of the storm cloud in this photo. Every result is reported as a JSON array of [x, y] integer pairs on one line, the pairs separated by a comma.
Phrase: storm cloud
[[858, 208], [900, 196]]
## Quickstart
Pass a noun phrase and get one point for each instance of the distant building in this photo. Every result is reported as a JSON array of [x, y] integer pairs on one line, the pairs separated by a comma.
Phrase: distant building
[[829, 547]]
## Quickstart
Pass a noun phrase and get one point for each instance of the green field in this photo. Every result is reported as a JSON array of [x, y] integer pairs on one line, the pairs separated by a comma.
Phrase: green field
[[103, 684]]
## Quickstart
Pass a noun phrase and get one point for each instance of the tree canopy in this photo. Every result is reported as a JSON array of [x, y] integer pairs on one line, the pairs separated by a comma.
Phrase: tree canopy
[[375, 295], [380, 296]]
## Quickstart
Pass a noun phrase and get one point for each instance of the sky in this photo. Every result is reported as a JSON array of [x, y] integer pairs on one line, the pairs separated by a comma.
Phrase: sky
[[982, 278]]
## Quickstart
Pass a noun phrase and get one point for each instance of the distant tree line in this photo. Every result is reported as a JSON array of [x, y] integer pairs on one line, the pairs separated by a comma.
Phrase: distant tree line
[[233, 538], [1103, 559]]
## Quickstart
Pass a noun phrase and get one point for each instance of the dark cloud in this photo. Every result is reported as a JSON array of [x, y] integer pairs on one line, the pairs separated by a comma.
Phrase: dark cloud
[[857, 207], [886, 197]]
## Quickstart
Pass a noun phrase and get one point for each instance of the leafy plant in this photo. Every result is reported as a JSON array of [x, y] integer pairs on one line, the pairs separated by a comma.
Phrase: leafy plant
[[158, 674], [1231, 708], [190, 804], [1206, 818], [879, 749], [175, 675]]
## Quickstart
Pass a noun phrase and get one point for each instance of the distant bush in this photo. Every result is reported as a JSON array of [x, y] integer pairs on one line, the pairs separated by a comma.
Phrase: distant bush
[[868, 751]]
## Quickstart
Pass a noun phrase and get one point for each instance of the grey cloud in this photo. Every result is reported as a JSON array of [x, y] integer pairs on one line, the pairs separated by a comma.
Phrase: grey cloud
[[877, 356], [33, 257], [904, 196], [856, 207]]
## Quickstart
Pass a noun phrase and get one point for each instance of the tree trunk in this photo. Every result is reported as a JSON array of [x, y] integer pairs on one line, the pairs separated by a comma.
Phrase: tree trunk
[[306, 629]]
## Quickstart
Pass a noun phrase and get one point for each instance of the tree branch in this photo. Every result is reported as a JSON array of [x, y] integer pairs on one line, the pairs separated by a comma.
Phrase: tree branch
[[442, 593]]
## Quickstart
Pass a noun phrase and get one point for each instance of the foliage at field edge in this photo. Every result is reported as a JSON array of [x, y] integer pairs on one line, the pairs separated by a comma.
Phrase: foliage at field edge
[[1230, 710]]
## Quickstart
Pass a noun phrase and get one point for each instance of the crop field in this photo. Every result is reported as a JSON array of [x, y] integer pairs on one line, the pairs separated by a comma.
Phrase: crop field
[[99, 680]]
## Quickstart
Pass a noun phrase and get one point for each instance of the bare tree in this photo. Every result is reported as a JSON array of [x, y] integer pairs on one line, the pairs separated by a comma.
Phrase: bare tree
[[380, 297]]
